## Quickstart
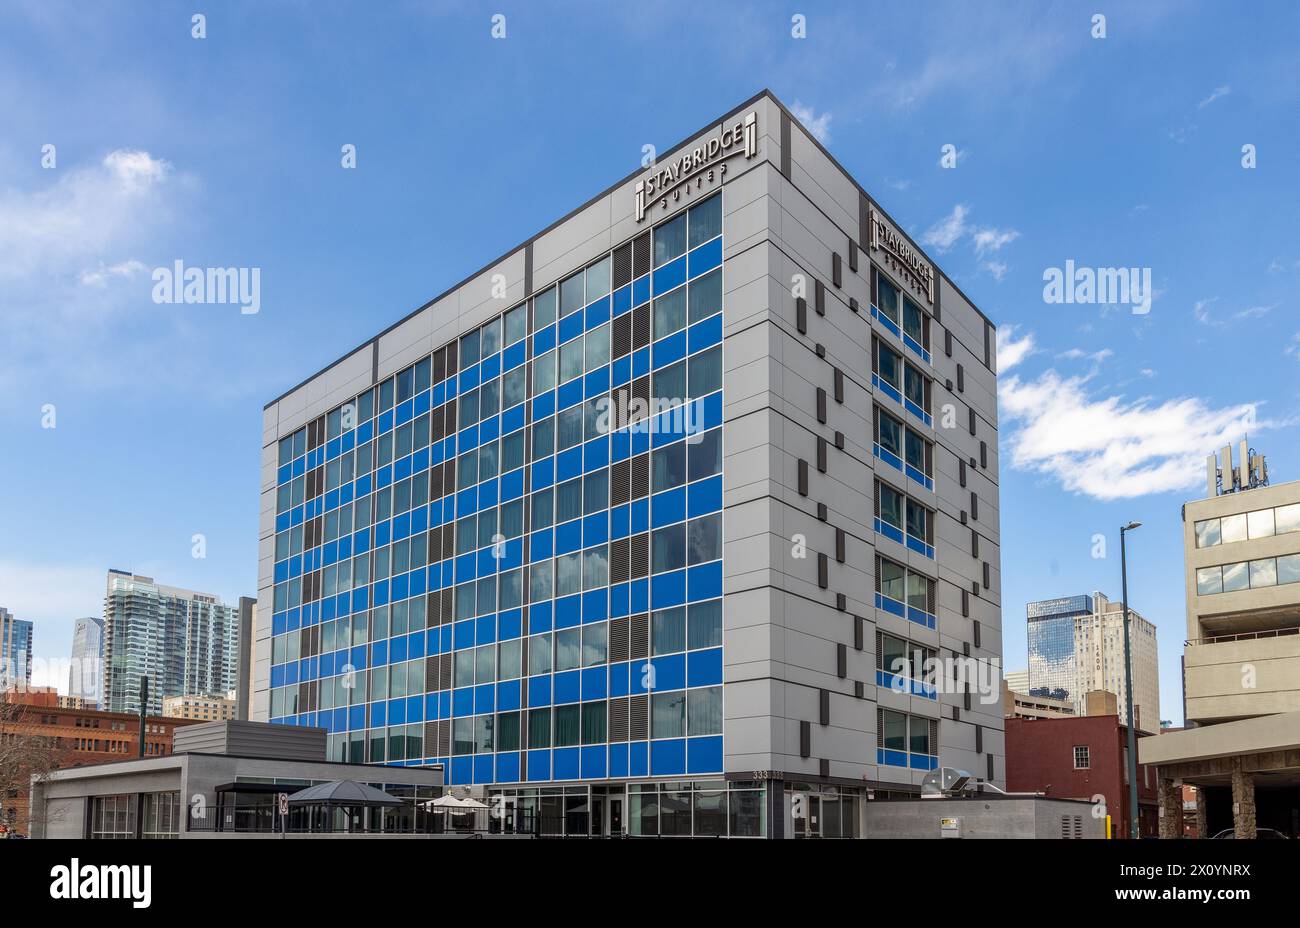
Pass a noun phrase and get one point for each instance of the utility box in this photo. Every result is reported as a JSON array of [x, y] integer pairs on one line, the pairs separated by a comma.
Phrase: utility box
[[972, 817]]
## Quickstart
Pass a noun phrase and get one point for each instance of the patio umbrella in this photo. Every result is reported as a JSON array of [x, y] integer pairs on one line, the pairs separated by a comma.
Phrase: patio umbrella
[[442, 802], [343, 793]]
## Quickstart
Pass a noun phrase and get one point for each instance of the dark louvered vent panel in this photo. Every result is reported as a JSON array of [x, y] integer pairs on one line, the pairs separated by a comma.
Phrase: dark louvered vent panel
[[880, 727], [639, 562], [934, 736], [618, 639], [641, 254], [620, 476], [640, 644], [621, 340], [640, 482], [641, 392], [622, 265], [641, 326], [638, 721], [620, 561], [444, 670], [618, 718]]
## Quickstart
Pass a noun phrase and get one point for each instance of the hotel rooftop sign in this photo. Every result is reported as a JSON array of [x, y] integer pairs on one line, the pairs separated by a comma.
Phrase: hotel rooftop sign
[[697, 167]]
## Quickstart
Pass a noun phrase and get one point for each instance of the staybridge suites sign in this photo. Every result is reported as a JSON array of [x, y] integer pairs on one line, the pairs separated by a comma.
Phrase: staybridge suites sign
[[701, 166], [902, 257]]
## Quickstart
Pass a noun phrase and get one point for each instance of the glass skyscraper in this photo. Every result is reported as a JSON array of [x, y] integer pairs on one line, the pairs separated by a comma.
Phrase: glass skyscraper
[[1076, 644], [186, 643], [638, 528], [85, 674], [15, 651], [1053, 663]]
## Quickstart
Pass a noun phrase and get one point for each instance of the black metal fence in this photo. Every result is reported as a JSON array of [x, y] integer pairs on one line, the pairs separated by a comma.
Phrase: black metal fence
[[264, 819]]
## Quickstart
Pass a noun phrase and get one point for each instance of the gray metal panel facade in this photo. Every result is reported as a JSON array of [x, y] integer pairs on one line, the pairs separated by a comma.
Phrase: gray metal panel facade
[[251, 739]]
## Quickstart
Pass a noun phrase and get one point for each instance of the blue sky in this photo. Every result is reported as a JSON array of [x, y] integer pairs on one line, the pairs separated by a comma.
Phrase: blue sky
[[1122, 151]]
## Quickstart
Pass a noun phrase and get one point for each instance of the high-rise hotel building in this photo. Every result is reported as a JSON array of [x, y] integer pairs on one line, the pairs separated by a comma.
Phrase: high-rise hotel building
[[658, 523]]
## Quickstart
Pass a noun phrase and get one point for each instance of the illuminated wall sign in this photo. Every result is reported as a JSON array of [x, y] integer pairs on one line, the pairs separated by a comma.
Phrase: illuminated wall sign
[[702, 165], [902, 258]]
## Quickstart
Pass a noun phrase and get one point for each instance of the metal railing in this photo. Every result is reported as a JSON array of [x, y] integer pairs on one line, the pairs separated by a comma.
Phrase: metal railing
[[1242, 636], [262, 819]]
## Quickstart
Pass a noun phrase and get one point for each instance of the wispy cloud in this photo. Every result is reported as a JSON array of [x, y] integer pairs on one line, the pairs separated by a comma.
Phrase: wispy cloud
[[75, 250], [997, 268], [100, 276], [990, 239], [947, 231], [1109, 447], [817, 124], [84, 216], [1201, 312], [1219, 93], [986, 240]]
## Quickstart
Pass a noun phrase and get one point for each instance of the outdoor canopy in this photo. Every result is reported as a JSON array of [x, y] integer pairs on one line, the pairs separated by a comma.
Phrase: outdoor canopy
[[343, 793]]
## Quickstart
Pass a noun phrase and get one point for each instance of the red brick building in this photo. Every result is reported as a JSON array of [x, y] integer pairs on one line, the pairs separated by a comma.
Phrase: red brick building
[[81, 737], [1081, 758]]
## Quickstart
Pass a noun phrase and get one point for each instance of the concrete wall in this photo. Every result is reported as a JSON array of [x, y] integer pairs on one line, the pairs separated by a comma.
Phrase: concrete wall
[[1218, 608], [1218, 675]]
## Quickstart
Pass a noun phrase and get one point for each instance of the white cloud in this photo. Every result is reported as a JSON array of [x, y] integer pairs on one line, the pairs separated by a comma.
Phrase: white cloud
[[75, 250], [1076, 354], [997, 268], [85, 213], [946, 232], [818, 125], [1217, 94], [102, 275], [952, 228], [1254, 312], [1201, 310], [990, 239], [1107, 447], [1012, 350]]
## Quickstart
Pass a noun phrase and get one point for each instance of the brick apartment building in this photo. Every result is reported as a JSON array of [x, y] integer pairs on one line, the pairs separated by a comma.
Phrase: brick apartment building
[[82, 737], [1081, 758]]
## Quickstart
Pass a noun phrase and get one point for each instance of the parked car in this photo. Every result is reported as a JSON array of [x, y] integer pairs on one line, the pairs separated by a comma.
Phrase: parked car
[[1261, 833]]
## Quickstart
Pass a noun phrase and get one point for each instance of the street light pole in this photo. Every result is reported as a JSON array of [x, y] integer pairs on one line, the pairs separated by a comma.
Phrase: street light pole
[[1128, 688]]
